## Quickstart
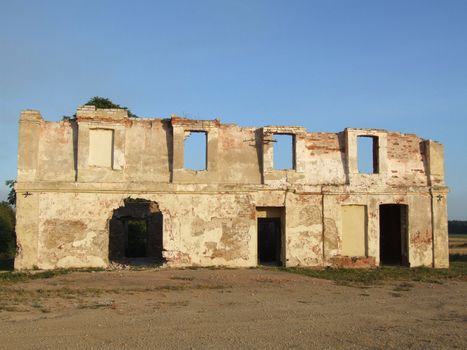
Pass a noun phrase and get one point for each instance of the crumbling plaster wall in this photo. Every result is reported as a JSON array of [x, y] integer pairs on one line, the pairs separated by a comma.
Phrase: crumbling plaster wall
[[324, 159], [147, 151], [406, 160], [304, 232], [199, 228], [56, 153], [209, 217], [419, 229], [216, 229]]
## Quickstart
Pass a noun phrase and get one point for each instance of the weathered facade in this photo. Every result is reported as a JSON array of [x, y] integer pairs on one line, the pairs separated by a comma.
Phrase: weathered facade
[[83, 183]]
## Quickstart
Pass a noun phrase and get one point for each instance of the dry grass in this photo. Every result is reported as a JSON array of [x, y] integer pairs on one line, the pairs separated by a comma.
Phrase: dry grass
[[458, 247], [369, 277]]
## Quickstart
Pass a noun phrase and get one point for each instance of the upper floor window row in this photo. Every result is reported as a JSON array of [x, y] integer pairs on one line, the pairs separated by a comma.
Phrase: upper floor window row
[[279, 150]]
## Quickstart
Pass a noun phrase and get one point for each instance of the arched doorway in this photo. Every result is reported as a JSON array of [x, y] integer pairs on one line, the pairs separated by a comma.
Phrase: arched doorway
[[135, 232]]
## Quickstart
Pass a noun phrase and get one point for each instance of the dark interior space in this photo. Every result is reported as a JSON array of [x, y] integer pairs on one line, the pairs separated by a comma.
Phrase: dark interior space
[[137, 238], [269, 241], [393, 234], [135, 231]]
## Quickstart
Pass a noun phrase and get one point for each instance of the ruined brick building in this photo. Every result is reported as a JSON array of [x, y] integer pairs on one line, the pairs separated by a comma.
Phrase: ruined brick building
[[91, 188]]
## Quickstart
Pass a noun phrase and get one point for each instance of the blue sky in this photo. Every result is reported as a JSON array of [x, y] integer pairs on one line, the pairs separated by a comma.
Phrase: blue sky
[[326, 65]]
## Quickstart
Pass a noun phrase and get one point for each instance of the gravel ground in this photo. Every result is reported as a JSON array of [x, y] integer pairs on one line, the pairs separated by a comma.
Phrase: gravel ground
[[228, 309]]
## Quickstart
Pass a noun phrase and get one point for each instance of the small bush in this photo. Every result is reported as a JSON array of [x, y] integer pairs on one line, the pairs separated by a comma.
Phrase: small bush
[[7, 232]]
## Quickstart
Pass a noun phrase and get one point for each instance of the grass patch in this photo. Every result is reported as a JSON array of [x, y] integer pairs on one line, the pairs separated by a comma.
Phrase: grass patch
[[144, 267], [210, 267], [17, 299], [168, 287], [369, 277], [27, 276], [404, 287], [458, 235], [182, 278], [9, 308], [14, 276], [20, 299], [20, 295], [266, 280], [161, 304], [97, 305], [211, 286], [458, 257]]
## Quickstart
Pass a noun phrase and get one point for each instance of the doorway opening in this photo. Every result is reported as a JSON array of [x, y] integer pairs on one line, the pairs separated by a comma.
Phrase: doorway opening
[[135, 233], [270, 223], [269, 241], [393, 234]]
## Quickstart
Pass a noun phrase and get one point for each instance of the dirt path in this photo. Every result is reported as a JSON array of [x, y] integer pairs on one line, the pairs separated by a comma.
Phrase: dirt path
[[228, 309]]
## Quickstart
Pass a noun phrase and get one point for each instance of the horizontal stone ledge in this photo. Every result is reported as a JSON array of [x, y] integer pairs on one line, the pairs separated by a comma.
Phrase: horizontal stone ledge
[[142, 188]]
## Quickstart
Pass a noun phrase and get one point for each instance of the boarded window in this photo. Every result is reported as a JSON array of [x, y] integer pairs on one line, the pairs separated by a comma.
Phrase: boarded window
[[367, 148], [195, 151], [101, 143], [283, 152], [354, 230]]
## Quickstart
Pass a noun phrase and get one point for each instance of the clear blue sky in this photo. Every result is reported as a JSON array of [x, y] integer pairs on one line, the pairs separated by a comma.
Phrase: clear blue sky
[[397, 65]]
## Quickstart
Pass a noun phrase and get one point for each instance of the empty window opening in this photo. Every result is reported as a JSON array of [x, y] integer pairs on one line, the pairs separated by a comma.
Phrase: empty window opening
[[195, 150], [269, 241], [135, 232], [393, 234], [284, 153], [354, 230], [367, 148], [101, 147]]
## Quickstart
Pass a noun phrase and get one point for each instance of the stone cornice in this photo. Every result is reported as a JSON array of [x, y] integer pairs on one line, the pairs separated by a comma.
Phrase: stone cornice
[[173, 188]]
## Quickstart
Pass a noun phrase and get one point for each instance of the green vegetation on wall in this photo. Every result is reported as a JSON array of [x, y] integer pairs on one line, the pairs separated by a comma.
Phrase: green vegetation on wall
[[7, 231], [12, 194], [103, 103]]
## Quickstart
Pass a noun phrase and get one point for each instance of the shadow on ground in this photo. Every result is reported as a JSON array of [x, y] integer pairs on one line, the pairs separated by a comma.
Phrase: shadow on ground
[[8, 264]]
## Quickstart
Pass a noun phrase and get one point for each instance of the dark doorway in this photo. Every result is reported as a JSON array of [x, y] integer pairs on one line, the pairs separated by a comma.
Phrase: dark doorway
[[135, 231], [137, 238], [269, 241], [393, 234]]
